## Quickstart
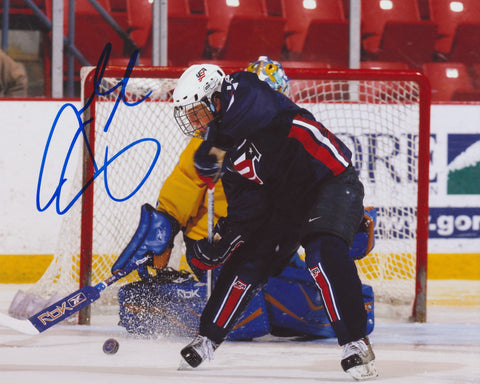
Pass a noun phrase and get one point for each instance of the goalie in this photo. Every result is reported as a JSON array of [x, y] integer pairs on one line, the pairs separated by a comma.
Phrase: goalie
[[182, 205]]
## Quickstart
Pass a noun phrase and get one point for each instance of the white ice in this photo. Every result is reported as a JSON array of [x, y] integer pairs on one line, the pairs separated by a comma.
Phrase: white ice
[[446, 349]]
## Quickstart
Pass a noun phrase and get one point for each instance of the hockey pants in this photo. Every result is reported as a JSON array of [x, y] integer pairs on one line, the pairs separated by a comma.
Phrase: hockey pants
[[335, 274], [239, 281]]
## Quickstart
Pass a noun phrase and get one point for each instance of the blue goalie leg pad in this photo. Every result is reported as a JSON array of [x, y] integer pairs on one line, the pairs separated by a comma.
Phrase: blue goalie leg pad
[[295, 307], [171, 304]]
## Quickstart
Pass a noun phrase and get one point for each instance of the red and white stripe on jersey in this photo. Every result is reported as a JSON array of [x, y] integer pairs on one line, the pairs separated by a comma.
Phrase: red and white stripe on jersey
[[320, 143], [325, 287], [237, 291]]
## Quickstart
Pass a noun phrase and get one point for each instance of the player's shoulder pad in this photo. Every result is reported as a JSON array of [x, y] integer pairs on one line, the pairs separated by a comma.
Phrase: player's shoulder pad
[[247, 105]]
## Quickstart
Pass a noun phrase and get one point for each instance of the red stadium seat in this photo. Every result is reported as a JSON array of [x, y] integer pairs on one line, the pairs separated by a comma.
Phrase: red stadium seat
[[21, 16], [475, 74], [448, 80], [186, 31], [317, 34], [392, 30], [286, 64], [346, 8], [89, 25], [197, 7], [139, 16], [376, 14], [424, 9], [243, 30], [17, 6], [458, 28], [20, 7], [383, 65], [274, 7], [461, 95], [466, 44], [118, 10]]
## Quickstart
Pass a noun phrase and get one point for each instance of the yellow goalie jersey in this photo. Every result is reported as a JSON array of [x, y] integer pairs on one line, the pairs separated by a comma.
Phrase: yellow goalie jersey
[[184, 196]]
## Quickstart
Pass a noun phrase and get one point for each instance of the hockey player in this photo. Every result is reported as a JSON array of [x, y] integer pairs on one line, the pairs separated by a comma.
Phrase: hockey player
[[183, 200], [288, 181]]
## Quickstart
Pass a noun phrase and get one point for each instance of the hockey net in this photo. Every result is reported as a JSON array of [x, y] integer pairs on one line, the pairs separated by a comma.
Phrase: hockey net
[[383, 116]]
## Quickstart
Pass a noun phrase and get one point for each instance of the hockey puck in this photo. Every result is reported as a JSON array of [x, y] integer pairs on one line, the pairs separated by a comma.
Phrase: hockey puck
[[110, 347]]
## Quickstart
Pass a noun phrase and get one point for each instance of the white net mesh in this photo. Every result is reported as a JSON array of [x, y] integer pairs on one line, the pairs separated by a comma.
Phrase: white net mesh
[[378, 120]]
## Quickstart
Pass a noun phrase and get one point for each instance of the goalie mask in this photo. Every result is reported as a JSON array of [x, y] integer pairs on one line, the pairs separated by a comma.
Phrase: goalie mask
[[192, 98], [272, 73]]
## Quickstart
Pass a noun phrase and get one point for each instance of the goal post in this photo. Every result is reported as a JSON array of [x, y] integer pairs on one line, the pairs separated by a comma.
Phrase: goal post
[[383, 116]]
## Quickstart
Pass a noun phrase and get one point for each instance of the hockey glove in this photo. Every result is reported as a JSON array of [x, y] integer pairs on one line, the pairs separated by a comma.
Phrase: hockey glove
[[211, 255], [154, 236], [208, 168]]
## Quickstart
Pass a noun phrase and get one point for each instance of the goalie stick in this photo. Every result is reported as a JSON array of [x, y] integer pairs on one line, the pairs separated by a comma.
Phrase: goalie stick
[[65, 307]]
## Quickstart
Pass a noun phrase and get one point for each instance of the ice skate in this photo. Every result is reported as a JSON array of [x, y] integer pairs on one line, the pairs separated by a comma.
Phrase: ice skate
[[358, 360], [199, 350]]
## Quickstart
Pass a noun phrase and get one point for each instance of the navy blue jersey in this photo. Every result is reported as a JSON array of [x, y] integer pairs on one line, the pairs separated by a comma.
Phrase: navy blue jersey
[[279, 154]]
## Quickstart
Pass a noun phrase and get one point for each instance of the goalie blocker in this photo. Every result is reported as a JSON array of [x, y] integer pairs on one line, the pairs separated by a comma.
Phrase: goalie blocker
[[154, 237]]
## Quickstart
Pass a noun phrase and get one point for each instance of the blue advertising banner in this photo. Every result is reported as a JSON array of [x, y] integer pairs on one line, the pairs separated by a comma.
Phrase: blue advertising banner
[[454, 222], [454, 199]]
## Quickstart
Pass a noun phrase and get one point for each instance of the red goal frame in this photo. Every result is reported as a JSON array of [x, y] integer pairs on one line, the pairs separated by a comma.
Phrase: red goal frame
[[419, 308]]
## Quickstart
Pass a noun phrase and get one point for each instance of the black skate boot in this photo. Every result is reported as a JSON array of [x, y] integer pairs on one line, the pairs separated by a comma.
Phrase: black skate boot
[[199, 350], [358, 360]]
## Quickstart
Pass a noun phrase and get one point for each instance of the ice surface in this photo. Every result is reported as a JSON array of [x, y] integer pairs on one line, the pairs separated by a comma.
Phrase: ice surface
[[446, 349]]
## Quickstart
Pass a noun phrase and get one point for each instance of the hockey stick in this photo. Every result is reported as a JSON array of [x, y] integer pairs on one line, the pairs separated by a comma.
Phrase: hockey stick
[[211, 222], [65, 307]]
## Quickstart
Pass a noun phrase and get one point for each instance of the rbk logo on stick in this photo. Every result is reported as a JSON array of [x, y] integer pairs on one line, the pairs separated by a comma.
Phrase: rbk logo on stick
[[60, 310]]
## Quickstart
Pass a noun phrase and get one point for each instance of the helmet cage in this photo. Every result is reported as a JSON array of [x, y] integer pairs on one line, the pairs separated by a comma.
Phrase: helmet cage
[[193, 118]]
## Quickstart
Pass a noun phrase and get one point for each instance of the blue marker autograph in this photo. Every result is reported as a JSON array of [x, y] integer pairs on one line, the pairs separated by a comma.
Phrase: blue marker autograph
[[80, 132]]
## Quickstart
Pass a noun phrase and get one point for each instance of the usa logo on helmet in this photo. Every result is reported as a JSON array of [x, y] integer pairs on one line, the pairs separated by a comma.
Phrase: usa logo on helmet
[[201, 75]]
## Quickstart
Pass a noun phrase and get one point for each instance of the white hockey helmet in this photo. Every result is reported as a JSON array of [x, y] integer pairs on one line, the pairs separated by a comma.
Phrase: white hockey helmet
[[192, 97], [272, 73]]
